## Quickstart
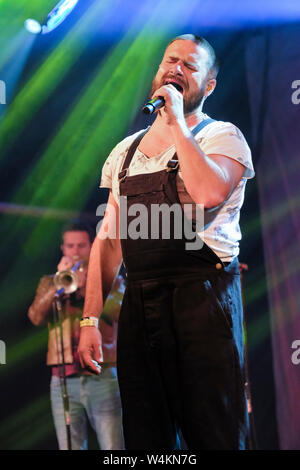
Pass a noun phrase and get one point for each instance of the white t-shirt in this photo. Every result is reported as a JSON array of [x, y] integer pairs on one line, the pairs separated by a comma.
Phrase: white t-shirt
[[221, 230]]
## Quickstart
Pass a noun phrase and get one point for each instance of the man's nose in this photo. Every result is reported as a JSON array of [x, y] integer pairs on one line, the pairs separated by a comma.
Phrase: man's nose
[[75, 252], [177, 68]]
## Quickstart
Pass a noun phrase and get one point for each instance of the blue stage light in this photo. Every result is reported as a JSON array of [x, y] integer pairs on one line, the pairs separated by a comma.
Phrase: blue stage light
[[33, 26], [54, 18]]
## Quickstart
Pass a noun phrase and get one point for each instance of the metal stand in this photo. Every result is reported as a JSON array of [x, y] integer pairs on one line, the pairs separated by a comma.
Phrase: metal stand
[[252, 444], [57, 317]]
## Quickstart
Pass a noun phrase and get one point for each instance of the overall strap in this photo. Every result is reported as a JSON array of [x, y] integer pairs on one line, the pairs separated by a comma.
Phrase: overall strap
[[173, 163], [201, 125], [130, 153]]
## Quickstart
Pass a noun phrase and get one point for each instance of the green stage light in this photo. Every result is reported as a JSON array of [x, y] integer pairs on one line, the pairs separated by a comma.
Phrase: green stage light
[[49, 75], [26, 427]]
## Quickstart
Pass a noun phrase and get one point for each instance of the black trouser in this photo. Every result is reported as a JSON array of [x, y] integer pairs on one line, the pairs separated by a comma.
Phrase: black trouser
[[180, 352]]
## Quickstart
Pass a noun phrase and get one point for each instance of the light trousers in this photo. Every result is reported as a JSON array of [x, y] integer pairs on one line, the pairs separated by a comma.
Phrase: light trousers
[[91, 398]]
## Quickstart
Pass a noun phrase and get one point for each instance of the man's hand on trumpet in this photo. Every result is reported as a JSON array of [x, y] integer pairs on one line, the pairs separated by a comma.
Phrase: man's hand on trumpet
[[66, 263]]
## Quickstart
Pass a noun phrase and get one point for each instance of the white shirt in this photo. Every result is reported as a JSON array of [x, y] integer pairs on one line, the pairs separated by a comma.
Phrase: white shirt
[[221, 231]]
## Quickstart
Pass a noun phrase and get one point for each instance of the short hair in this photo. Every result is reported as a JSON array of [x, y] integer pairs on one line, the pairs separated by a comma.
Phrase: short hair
[[78, 225], [199, 40]]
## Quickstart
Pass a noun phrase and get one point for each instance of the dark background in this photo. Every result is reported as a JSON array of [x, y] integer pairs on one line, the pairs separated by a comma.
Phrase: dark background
[[24, 391]]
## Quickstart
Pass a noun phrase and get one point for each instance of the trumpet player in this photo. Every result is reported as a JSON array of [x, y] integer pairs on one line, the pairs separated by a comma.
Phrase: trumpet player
[[91, 397]]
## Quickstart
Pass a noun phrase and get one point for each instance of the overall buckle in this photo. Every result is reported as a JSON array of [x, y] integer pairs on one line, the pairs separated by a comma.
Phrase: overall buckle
[[172, 165], [122, 175]]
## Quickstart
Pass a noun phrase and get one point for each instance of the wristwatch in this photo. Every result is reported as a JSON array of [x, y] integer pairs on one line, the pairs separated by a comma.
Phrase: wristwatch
[[89, 321]]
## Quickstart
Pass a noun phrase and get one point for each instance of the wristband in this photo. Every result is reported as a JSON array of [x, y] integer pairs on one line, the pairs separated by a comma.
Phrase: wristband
[[89, 321]]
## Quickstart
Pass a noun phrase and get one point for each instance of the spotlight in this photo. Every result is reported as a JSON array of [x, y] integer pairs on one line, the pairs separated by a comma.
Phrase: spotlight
[[33, 26], [54, 18]]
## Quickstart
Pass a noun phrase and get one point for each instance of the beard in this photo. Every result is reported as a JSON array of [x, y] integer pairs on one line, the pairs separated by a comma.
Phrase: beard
[[190, 101]]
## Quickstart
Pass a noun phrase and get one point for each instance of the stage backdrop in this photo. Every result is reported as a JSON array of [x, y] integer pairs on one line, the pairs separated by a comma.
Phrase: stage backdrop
[[70, 97], [273, 70]]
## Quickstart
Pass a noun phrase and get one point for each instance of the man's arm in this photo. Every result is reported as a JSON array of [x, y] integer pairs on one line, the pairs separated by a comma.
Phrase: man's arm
[[41, 306], [208, 179], [104, 263]]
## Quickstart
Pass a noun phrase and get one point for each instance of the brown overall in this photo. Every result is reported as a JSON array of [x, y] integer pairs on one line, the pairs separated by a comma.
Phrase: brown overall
[[180, 341]]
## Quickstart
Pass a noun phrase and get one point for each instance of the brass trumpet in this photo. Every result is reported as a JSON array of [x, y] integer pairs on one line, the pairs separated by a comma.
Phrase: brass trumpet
[[68, 280]]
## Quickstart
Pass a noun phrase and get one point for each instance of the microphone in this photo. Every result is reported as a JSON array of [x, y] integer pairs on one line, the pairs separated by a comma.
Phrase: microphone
[[156, 103], [153, 105]]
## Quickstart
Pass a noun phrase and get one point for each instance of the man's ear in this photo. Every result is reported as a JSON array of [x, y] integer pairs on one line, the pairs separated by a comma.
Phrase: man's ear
[[210, 86]]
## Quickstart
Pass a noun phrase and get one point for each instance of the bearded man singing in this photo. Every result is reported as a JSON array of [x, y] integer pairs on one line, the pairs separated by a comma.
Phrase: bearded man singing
[[180, 343]]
